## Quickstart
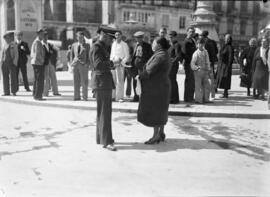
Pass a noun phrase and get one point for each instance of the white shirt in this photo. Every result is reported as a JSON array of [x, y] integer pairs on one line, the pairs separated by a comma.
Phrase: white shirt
[[120, 50], [200, 59], [46, 45]]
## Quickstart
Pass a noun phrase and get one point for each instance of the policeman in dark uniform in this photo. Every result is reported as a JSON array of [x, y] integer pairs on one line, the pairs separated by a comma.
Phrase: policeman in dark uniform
[[102, 85], [8, 65]]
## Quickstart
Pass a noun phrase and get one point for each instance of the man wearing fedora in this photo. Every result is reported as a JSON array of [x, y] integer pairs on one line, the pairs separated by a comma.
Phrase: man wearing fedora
[[24, 51], [9, 60], [102, 85], [37, 61], [142, 53]]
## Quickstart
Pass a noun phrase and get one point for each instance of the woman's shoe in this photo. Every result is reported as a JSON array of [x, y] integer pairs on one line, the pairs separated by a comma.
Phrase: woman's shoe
[[155, 140], [162, 137]]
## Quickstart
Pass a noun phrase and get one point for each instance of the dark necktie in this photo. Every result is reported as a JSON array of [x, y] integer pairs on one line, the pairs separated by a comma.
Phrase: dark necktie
[[79, 49]]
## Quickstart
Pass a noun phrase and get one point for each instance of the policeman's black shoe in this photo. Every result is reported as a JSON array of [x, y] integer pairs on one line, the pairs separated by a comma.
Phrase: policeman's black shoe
[[111, 147], [28, 90], [57, 94]]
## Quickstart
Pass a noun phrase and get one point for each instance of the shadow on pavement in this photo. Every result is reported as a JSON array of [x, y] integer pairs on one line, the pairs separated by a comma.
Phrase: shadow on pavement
[[215, 135]]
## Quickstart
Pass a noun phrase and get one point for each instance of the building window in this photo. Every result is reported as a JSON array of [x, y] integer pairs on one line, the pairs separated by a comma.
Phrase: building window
[[182, 22], [217, 24], [256, 8], [230, 6], [243, 26], [126, 15], [230, 25], [165, 2], [255, 28], [10, 15], [165, 20], [243, 6], [217, 6]]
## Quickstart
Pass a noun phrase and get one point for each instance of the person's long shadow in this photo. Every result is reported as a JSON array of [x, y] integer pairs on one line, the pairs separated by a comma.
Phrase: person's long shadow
[[225, 142]]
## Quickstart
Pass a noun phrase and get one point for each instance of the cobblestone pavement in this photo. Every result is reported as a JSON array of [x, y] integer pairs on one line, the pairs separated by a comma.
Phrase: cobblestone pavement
[[52, 152]]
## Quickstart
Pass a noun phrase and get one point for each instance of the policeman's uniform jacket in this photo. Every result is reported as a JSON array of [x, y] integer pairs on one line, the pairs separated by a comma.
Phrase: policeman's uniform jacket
[[101, 75]]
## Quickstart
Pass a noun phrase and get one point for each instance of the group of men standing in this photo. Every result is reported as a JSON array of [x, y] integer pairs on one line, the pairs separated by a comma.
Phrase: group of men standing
[[43, 59]]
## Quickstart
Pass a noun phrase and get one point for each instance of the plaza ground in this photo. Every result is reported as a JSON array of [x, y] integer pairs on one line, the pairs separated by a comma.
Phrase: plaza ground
[[48, 149], [51, 152]]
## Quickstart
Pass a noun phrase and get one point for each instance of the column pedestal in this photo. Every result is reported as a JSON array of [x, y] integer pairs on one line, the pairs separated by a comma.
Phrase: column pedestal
[[204, 19]]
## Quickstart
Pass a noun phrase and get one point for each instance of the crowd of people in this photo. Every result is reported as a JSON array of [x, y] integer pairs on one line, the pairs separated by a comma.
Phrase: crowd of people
[[150, 69]]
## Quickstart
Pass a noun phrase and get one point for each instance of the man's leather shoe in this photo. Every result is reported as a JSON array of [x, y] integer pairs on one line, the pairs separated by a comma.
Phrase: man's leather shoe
[[57, 94], [28, 90]]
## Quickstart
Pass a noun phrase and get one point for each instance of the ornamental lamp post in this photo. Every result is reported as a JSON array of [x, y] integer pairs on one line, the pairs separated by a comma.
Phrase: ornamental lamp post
[[204, 18]]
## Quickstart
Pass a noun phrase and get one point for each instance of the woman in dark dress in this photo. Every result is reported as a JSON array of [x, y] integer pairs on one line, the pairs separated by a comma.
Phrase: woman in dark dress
[[224, 72], [155, 96], [246, 60], [260, 76]]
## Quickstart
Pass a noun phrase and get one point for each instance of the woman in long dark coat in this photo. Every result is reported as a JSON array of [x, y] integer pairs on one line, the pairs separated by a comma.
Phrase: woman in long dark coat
[[246, 60], [224, 72], [260, 76], [155, 96]]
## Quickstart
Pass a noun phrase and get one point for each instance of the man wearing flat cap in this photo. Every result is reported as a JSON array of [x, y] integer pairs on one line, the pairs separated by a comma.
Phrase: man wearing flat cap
[[24, 51], [37, 61], [102, 85], [175, 57], [142, 53], [9, 62]]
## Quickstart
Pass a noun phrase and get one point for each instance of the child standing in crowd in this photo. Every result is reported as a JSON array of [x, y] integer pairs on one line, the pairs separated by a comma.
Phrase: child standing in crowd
[[200, 64]]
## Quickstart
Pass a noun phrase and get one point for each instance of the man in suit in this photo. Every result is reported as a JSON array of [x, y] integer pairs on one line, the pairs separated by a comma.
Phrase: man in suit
[[189, 47], [50, 61], [9, 60], [80, 54], [102, 84], [37, 61], [211, 48], [24, 51], [175, 57], [142, 53]]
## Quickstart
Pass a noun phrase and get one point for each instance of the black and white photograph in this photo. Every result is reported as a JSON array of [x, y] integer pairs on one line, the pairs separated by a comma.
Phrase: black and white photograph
[[134, 98]]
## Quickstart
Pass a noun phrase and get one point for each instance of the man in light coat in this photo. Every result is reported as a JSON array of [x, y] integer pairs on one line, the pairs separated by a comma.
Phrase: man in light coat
[[37, 61], [119, 56]]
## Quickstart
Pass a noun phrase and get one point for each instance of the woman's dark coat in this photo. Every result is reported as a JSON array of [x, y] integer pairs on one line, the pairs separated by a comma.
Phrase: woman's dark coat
[[246, 70], [224, 72], [260, 76], [155, 97]]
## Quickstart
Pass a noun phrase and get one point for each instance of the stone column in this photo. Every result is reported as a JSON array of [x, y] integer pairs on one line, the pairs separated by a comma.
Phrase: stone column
[[70, 18], [204, 19]]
